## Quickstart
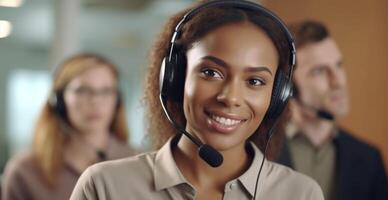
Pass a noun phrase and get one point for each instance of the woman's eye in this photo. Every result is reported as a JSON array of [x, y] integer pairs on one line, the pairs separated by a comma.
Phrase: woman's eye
[[255, 82], [211, 73]]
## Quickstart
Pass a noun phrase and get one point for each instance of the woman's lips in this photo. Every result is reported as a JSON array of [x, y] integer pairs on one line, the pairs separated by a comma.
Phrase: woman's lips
[[223, 123], [93, 116]]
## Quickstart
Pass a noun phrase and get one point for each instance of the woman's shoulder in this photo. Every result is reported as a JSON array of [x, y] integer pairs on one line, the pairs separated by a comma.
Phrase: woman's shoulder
[[300, 185], [116, 179], [140, 166], [20, 169], [286, 172], [21, 162]]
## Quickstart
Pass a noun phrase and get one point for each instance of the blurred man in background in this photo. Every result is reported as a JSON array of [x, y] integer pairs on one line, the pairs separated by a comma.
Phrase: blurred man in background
[[345, 167]]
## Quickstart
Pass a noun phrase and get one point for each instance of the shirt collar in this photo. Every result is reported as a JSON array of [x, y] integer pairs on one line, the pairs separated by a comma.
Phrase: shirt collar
[[248, 179], [166, 172]]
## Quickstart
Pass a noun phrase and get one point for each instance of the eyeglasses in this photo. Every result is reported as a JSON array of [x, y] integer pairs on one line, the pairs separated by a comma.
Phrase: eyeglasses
[[85, 92]]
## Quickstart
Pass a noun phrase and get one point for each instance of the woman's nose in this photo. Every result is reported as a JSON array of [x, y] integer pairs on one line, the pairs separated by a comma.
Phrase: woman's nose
[[230, 94]]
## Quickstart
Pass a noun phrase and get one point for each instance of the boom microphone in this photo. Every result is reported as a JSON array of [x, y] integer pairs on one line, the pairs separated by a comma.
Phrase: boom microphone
[[323, 114], [320, 113], [205, 151]]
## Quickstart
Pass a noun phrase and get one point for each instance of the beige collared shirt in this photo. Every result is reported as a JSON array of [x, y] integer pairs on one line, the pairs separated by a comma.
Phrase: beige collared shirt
[[155, 175]]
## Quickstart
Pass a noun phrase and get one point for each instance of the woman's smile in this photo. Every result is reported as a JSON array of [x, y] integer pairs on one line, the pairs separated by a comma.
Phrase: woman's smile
[[223, 122]]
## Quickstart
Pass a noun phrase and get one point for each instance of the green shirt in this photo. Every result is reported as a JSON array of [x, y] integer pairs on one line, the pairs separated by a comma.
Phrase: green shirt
[[316, 162]]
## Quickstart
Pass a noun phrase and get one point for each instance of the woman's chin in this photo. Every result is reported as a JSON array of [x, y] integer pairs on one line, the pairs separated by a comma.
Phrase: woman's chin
[[222, 143]]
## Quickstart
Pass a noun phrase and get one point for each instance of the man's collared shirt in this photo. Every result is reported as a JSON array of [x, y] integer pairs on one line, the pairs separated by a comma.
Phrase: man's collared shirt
[[316, 162]]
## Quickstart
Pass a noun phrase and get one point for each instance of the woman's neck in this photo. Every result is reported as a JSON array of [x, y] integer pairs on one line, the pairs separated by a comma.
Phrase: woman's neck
[[200, 174], [83, 147], [97, 139]]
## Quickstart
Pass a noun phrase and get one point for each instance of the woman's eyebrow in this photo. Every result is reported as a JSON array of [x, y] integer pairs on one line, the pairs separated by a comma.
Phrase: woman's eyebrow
[[215, 60], [258, 69], [224, 64]]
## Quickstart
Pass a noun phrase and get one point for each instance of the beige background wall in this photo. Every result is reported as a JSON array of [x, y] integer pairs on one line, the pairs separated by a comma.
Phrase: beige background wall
[[361, 30]]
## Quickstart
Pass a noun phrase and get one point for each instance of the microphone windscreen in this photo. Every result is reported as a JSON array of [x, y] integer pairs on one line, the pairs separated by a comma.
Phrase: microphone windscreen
[[325, 115], [101, 155], [210, 155]]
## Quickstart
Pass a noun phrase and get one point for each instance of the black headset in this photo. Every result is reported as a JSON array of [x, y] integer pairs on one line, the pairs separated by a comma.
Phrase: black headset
[[57, 103], [172, 73]]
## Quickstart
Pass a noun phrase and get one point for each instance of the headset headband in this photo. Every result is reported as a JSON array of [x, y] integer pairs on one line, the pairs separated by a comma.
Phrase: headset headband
[[246, 5]]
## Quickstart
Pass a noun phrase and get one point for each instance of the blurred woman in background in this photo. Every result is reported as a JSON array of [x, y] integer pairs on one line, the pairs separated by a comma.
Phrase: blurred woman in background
[[82, 123]]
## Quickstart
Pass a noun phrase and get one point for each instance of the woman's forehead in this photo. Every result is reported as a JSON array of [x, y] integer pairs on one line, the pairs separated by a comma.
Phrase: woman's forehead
[[237, 43], [100, 75]]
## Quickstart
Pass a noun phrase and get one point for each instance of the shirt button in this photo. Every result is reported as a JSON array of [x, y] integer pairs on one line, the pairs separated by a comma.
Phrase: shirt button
[[233, 186]]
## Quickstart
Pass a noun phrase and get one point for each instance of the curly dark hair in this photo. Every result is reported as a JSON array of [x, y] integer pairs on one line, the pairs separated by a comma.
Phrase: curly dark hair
[[197, 27]]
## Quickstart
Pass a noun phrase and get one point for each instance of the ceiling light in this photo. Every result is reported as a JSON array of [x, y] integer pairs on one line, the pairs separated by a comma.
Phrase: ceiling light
[[11, 3], [5, 28]]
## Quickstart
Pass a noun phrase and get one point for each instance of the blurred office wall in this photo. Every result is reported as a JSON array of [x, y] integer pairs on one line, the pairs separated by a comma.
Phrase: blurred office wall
[[361, 30]]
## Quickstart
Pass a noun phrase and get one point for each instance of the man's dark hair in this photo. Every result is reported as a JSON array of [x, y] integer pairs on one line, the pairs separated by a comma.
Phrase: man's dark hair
[[307, 32]]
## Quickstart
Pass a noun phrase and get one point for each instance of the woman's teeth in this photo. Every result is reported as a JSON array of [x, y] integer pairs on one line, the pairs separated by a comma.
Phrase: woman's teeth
[[225, 121]]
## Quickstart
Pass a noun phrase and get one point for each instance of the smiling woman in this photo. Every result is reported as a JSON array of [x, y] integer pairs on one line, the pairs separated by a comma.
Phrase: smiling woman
[[223, 68]]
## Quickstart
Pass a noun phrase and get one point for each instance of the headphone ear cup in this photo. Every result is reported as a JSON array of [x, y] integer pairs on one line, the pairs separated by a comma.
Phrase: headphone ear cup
[[180, 77], [281, 92], [165, 76], [118, 101], [58, 105], [172, 77]]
